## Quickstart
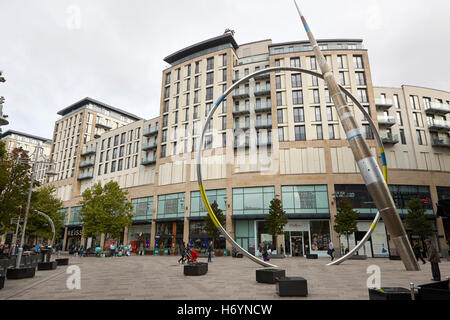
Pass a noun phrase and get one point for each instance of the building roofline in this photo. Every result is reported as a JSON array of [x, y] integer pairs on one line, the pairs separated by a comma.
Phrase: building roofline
[[203, 45], [253, 42], [10, 132], [408, 85], [319, 41], [86, 100]]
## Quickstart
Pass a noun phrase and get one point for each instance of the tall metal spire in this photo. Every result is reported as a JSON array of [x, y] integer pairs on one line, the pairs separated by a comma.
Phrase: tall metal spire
[[368, 166]]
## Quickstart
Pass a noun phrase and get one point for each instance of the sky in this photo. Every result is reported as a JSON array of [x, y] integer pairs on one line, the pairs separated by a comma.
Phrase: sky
[[54, 53]]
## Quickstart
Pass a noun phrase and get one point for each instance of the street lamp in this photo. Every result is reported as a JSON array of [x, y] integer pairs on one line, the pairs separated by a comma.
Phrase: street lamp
[[37, 154]]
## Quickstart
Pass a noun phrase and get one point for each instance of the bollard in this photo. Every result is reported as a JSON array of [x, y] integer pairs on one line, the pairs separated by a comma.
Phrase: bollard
[[412, 287]]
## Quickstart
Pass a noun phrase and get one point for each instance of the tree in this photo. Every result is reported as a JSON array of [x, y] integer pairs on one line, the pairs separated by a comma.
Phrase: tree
[[14, 185], [417, 221], [43, 200], [345, 221], [105, 210], [210, 227], [276, 219]]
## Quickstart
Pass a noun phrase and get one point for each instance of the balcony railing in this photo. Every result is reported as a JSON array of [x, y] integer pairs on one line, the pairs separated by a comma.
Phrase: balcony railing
[[444, 142], [262, 91], [437, 108], [150, 131], [88, 151], [262, 76], [384, 103], [438, 125], [150, 145], [148, 161], [390, 138], [103, 124], [86, 175], [241, 110], [386, 121], [241, 94], [263, 108], [242, 127], [262, 143], [245, 144], [86, 163], [263, 124]]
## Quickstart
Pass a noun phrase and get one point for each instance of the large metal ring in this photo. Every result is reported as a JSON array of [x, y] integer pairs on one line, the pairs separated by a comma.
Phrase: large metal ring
[[199, 158]]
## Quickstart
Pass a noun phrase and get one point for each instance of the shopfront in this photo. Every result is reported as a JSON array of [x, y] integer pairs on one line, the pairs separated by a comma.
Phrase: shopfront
[[73, 237], [139, 236], [302, 237], [169, 234]]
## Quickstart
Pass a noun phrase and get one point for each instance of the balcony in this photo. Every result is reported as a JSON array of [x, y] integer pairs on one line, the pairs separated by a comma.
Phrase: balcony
[[86, 163], [86, 175], [384, 104], [242, 127], [439, 125], [437, 108], [262, 76], [88, 151], [148, 161], [236, 79], [386, 121], [245, 144], [263, 108], [262, 143], [103, 124], [150, 131], [240, 110], [443, 143], [263, 124], [241, 94], [390, 138], [150, 145], [262, 91], [97, 135]]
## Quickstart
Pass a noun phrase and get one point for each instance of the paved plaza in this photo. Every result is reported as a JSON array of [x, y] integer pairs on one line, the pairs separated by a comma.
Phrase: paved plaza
[[161, 277]]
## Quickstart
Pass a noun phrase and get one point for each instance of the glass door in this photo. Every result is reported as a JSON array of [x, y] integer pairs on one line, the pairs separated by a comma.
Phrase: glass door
[[297, 246]]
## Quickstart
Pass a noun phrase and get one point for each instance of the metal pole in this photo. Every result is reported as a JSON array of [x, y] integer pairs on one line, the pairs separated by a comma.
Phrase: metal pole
[[33, 167], [367, 163], [412, 288]]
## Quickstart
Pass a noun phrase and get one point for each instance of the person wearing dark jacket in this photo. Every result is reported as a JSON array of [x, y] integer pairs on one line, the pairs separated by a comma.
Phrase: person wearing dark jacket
[[418, 251], [433, 257], [183, 254], [210, 250]]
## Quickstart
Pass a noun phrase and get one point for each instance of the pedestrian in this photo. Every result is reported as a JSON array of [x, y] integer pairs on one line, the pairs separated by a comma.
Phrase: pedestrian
[[342, 249], [183, 254], [80, 251], [210, 250], [331, 249], [433, 257], [112, 248], [37, 249], [418, 251], [265, 254]]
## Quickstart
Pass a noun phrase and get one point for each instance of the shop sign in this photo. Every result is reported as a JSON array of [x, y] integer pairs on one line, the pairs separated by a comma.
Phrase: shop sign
[[296, 225], [74, 232]]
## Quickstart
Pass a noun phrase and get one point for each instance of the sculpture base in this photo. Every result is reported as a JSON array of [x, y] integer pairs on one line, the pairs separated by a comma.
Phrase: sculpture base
[[47, 265], [197, 269], [269, 275], [20, 273], [292, 287], [389, 293]]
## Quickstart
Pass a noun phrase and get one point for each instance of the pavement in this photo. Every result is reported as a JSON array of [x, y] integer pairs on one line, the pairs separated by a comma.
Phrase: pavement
[[161, 277]]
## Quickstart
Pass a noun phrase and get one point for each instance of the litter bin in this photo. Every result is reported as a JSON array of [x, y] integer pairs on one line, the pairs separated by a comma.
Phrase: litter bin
[[46, 254]]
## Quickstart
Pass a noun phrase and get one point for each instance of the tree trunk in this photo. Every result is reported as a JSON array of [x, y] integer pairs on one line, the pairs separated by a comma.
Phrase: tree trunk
[[348, 243]]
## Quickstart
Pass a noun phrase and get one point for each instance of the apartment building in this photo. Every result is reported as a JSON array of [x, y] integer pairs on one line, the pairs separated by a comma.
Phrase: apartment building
[[277, 136], [14, 139]]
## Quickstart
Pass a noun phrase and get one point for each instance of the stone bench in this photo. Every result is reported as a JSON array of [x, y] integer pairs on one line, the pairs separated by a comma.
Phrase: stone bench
[[197, 269], [20, 273], [292, 287], [51, 265], [62, 261], [358, 257], [389, 293], [312, 256], [439, 290], [269, 275]]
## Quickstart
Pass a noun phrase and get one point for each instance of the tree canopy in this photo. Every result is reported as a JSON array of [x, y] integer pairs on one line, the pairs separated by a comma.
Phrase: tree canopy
[[105, 210], [210, 227], [276, 219], [345, 222], [416, 220]]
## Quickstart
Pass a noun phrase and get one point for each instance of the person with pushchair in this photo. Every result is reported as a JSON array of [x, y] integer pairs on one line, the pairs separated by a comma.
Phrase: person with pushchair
[[183, 254]]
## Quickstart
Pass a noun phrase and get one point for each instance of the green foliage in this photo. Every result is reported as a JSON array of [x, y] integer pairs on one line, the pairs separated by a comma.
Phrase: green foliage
[[14, 185], [43, 200], [416, 220], [345, 222], [105, 210], [276, 219], [210, 227]]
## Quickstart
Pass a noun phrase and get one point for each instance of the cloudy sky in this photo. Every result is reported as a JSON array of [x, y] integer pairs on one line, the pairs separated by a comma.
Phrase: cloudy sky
[[56, 52]]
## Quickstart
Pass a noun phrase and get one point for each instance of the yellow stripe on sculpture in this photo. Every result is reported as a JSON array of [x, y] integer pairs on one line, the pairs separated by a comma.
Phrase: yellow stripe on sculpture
[[208, 206]]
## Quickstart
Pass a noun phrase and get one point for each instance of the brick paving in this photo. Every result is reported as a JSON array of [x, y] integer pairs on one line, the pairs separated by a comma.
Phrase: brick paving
[[161, 277]]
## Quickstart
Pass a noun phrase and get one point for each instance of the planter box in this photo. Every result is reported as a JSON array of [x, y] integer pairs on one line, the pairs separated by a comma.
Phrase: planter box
[[218, 253], [292, 287], [2, 281], [312, 256], [434, 291], [394, 258], [269, 275], [225, 252], [389, 293], [358, 257], [156, 252], [20, 273], [62, 262], [148, 252], [197, 269], [47, 265]]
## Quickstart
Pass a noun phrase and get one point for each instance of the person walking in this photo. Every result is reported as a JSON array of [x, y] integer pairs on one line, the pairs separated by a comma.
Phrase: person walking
[[112, 248], [210, 250], [418, 251], [265, 253], [80, 251], [183, 254], [433, 257], [331, 249]]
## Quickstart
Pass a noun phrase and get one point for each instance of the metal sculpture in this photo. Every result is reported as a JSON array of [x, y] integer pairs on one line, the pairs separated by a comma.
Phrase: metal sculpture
[[200, 144], [367, 163]]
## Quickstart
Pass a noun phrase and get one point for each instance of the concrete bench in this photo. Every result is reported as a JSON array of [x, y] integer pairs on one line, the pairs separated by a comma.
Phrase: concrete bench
[[269, 275], [197, 269], [292, 287], [312, 256]]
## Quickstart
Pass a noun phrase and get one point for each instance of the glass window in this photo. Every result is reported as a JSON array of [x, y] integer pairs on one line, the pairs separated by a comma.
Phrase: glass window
[[171, 205], [142, 208], [253, 200], [197, 206], [305, 199], [300, 134], [297, 97]]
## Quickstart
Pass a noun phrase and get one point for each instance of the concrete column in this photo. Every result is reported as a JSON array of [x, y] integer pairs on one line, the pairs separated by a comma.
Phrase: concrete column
[[186, 231], [152, 235], [102, 240], [82, 237], [228, 217], [439, 223], [65, 238], [125, 236], [333, 211]]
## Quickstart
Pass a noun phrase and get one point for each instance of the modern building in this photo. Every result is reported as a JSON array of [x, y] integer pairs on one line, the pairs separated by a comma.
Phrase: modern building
[[277, 136], [14, 139]]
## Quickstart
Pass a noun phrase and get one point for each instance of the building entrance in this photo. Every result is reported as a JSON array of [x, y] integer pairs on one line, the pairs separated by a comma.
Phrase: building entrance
[[297, 243]]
